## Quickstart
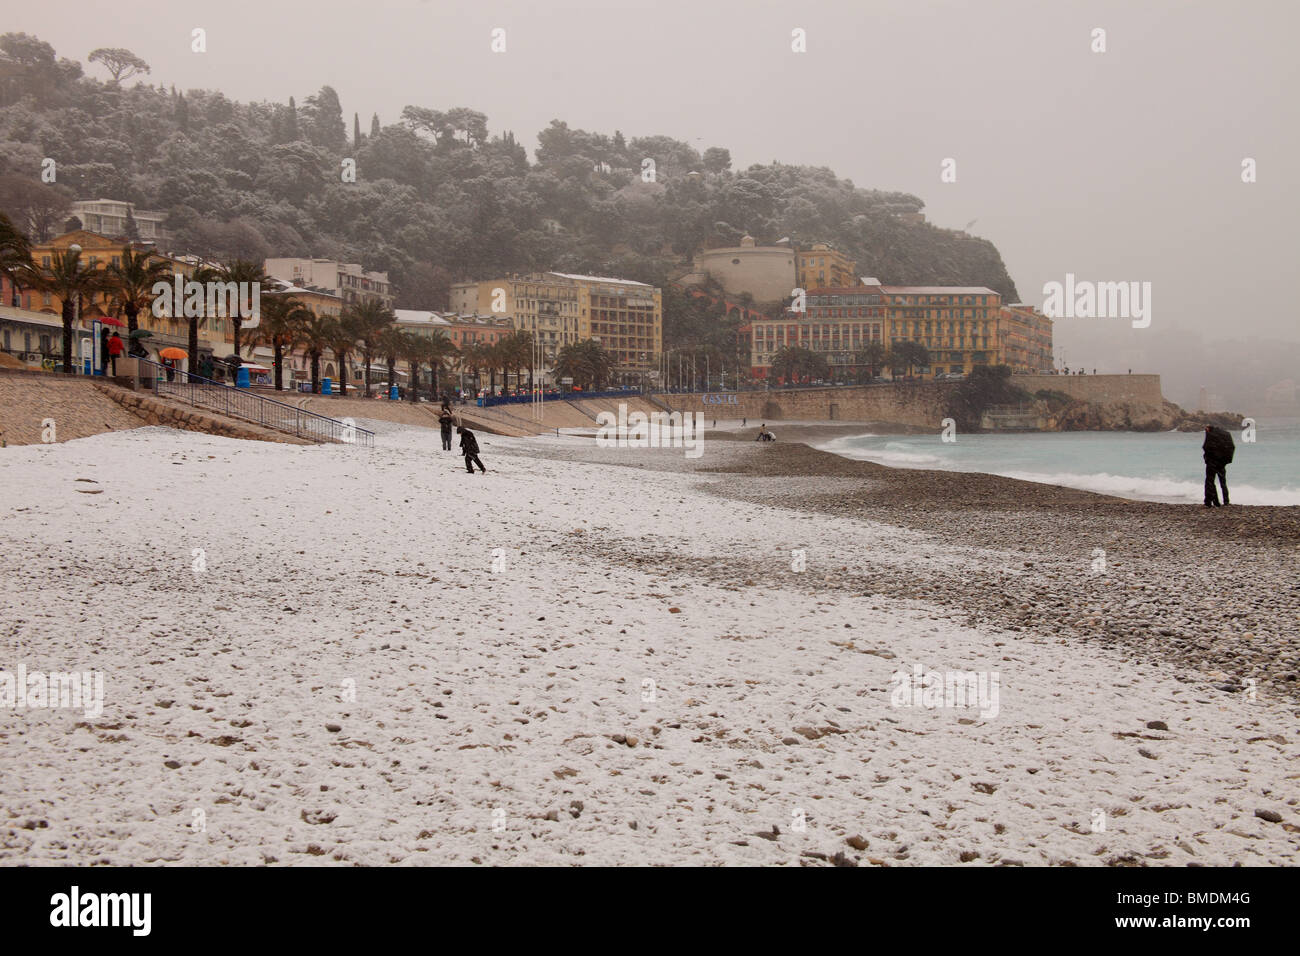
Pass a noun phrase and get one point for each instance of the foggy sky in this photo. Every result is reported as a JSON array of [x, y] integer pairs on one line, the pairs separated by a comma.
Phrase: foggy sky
[[1124, 165]]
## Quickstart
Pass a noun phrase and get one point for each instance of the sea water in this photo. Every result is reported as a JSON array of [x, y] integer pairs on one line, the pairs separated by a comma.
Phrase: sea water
[[1149, 466]]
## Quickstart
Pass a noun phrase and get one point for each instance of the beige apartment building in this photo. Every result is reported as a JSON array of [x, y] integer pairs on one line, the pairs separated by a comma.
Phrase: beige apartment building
[[347, 280], [108, 218], [626, 317]]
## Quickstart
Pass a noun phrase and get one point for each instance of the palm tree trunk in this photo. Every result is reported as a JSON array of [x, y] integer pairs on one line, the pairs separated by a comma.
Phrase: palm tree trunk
[[413, 370], [433, 379], [237, 324], [315, 373], [67, 336], [194, 342], [365, 354], [132, 319], [278, 352]]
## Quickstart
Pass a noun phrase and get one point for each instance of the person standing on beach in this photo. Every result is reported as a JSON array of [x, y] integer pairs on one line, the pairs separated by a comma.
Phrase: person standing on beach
[[1217, 450], [469, 448], [445, 422], [115, 348]]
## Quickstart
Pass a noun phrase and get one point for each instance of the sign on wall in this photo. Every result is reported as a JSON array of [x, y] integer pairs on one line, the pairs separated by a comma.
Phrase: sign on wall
[[720, 399]]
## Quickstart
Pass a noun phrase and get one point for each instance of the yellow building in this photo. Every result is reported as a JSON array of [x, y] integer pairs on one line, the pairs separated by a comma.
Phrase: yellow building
[[99, 252], [822, 267], [626, 317], [1025, 338], [958, 325]]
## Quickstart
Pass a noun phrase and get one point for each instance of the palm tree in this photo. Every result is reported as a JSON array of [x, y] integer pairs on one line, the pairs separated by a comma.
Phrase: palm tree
[[873, 356], [68, 279], [587, 363], [493, 358], [15, 253], [474, 359], [441, 350], [343, 341], [392, 346], [283, 318], [415, 350], [316, 335], [130, 285], [519, 346], [203, 274], [240, 271], [371, 319]]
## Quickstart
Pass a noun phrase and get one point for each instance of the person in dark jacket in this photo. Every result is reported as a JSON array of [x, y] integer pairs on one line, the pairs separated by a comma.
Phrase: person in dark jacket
[[1217, 451], [445, 422], [469, 448]]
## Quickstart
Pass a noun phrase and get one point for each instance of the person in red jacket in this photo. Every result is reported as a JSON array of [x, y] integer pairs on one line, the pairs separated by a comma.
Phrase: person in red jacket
[[115, 348]]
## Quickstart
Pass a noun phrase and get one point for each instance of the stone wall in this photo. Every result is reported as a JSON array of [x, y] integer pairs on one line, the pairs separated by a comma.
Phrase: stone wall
[[918, 404], [1144, 389], [155, 411]]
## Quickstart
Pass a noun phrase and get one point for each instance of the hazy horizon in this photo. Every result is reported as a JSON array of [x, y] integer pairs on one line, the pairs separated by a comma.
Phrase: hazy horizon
[[1115, 166]]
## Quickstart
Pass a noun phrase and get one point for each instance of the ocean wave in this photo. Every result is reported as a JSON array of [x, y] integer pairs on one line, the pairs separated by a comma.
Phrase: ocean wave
[[893, 453], [1156, 489]]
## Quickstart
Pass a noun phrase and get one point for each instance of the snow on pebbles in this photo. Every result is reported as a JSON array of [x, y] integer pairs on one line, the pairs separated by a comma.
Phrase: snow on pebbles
[[347, 679]]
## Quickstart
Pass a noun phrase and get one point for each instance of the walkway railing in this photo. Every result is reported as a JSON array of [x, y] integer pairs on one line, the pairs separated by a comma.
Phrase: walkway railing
[[241, 403]]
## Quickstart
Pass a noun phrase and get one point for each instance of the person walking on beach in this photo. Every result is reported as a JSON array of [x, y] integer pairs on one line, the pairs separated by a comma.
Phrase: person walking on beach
[[469, 448], [1217, 451], [445, 422]]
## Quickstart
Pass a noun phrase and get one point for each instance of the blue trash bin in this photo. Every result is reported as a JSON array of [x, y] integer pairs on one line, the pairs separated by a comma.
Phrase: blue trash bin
[[392, 393], [325, 386], [241, 377]]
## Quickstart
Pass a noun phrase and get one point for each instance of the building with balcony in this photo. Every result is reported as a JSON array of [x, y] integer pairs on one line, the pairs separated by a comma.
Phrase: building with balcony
[[109, 217], [347, 280], [823, 267], [961, 327], [625, 316]]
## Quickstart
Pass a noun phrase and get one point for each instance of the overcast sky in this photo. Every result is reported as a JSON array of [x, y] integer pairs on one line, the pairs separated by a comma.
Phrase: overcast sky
[[1123, 165]]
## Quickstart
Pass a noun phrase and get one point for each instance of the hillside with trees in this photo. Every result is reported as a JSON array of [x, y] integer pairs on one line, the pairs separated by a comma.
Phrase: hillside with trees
[[437, 196]]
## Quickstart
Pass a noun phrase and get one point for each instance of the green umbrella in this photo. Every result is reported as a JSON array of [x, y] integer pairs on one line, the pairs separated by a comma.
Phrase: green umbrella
[[140, 334]]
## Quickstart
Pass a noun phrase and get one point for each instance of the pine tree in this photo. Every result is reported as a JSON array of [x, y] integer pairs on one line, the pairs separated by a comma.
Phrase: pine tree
[[374, 126], [291, 128], [182, 113]]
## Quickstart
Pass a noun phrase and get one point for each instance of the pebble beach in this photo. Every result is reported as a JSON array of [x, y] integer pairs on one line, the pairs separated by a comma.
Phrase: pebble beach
[[628, 657]]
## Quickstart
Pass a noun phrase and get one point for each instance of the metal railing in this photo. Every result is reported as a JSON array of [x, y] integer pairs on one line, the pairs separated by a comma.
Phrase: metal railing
[[241, 403]]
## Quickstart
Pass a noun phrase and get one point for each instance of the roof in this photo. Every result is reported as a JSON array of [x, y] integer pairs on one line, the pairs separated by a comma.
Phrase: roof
[[582, 278], [938, 289], [419, 317]]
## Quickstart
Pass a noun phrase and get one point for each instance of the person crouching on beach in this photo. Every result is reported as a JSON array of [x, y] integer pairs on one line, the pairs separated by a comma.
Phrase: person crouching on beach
[[1217, 450], [469, 448]]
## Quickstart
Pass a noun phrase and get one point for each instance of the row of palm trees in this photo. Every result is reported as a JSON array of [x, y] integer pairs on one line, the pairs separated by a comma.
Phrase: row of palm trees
[[364, 330], [127, 284]]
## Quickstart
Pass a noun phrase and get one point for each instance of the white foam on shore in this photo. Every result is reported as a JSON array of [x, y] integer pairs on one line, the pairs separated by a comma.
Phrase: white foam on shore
[[1140, 488]]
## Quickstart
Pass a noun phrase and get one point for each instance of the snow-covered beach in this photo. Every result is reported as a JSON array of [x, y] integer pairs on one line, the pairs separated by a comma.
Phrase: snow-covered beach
[[330, 655]]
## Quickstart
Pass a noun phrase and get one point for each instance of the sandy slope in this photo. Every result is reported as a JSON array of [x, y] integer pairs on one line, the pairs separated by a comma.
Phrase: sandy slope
[[524, 691]]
